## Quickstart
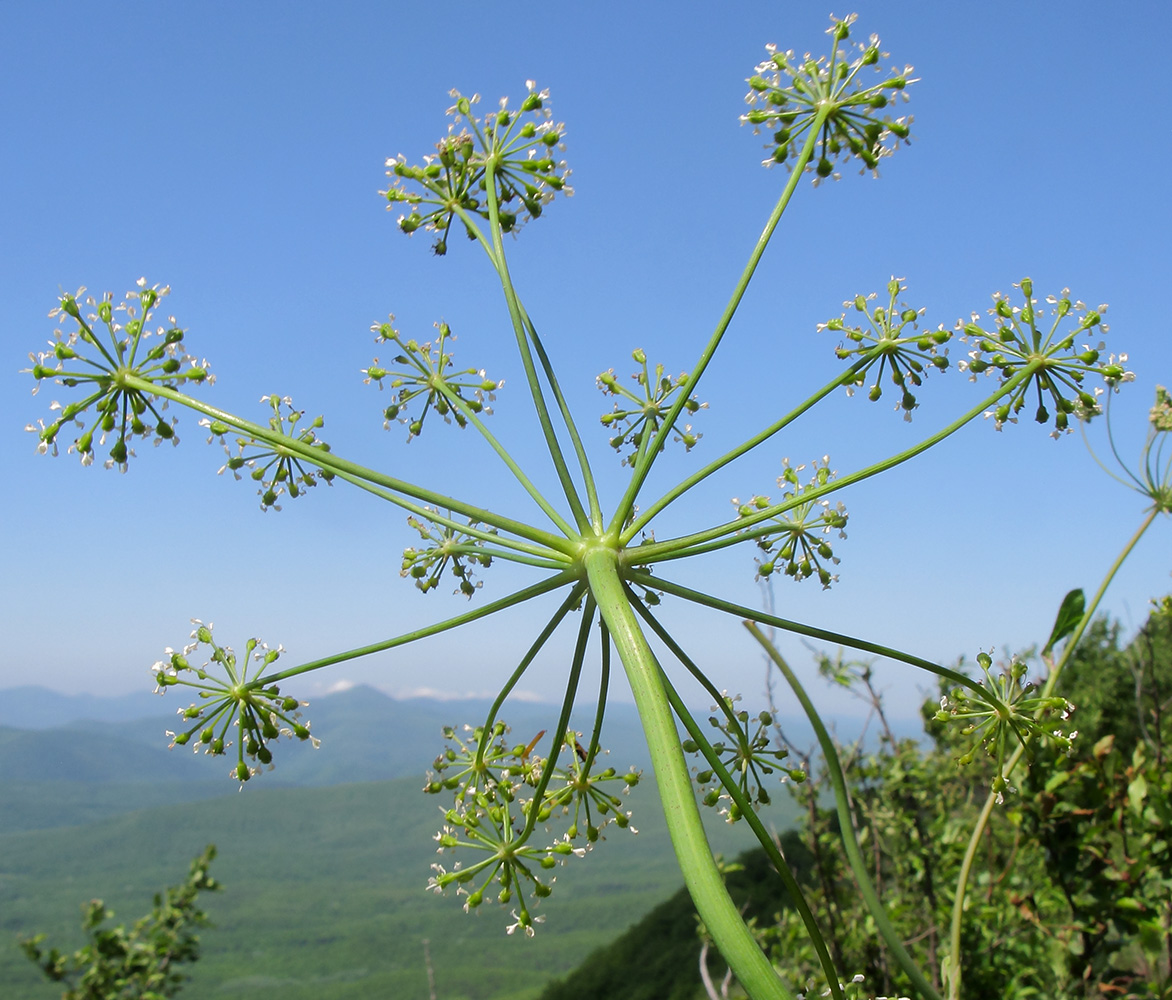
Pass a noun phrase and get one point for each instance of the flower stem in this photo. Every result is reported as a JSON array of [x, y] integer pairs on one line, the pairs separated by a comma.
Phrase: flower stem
[[520, 332], [639, 475], [797, 898], [845, 378], [510, 464], [528, 593], [953, 968], [732, 532], [846, 828], [825, 635], [699, 868], [327, 460]]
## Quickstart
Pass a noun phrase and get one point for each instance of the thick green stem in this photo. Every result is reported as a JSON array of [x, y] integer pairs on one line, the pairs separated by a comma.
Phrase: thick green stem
[[953, 969], [797, 897], [701, 875], [329, 461], [639, 476], [846, 828]]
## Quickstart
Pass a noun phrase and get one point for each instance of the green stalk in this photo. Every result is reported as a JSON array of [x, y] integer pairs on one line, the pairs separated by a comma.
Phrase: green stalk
[[537, 553], [846, 378], [327, 460], [846, 826], [825, 635], [953, 970], [547, 368], [675, 548], [528, 593], [510, 464], [730, 785], [640, 472], [559, 735], [568, 420], [567, 606], [701, 874], [514, 307]]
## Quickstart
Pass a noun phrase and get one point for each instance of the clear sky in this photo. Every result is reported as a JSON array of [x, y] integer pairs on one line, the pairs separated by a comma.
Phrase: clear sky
[[235, 152]]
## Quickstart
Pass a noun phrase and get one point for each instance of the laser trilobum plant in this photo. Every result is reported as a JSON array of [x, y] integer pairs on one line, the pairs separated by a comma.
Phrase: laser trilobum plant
[[518, 810]]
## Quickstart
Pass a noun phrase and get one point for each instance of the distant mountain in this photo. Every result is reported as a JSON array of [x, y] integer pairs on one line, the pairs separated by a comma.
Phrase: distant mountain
[[32, 707], [366, 736], [100, 759]]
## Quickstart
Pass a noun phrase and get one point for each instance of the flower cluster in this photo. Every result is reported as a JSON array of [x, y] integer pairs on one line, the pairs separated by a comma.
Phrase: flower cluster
[[746, 755], [796, 540], [1025, 714], [116, 368], [276, 468], [446, 547], [1057, 361], [501, 793], [254, 709], [511, 150], [637, 418], [793, 97], [885, 344], [428, 378]]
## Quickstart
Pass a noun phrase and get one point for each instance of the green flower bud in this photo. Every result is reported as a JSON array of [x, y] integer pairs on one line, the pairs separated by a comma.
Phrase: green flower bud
[[242, 772], [182, 738]]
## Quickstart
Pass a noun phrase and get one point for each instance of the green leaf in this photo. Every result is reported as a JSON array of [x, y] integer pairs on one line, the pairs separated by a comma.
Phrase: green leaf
[[1069, 615]]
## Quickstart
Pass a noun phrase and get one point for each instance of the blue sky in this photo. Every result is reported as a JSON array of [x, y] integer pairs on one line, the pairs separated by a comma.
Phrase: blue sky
[[235, 152]]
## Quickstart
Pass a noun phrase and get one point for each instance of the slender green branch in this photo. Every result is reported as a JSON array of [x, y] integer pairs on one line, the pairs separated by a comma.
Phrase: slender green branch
[[528, 593], [640, 472], [568, 420], [603, 688], [567, 606], [846, 377], [731, 532], [846, 826], [954, 969], [515, 313], [797, 897], [838, 638], [546, 367], [701, 874], [538, 555], [505, 457], [327, 460], [559, 735]]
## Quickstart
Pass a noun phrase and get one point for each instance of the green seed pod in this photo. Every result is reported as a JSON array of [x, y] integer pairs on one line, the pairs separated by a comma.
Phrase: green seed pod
[[182, 738], [242, 772], [825, 168]]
